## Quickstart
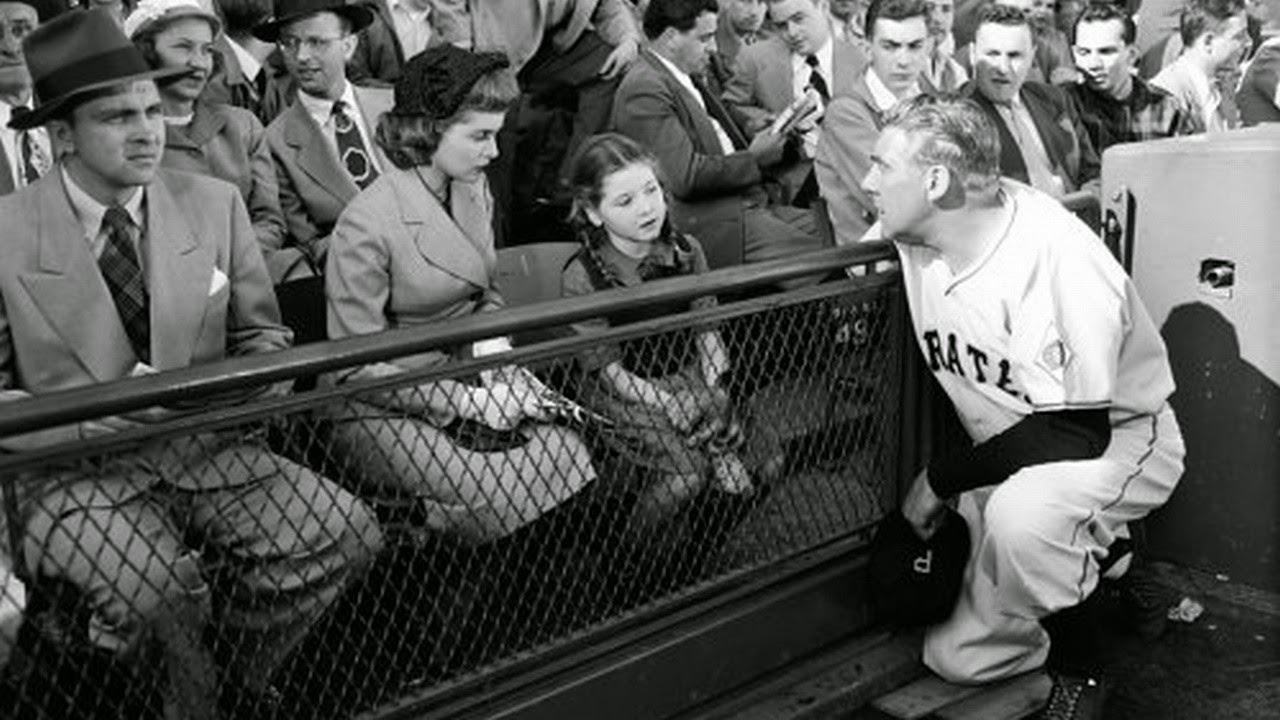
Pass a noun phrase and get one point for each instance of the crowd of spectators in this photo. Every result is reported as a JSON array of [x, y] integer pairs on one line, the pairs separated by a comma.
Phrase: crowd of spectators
[[372, 146]]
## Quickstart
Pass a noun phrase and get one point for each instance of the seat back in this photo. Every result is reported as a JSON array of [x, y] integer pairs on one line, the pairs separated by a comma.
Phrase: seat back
[[531, 273]]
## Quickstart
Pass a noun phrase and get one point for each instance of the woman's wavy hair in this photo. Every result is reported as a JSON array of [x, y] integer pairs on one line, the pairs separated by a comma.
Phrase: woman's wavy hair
[[410, 140]]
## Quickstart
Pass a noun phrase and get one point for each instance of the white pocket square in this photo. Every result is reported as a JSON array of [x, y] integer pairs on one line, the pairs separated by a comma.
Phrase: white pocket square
[[217, 282]]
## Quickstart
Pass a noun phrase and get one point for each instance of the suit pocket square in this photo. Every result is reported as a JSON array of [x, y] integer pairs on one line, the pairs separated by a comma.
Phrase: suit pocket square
[[217, 282]]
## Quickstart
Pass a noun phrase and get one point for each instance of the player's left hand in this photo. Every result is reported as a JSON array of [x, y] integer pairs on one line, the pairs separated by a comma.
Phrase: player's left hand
[[922, 508], [620, 59]]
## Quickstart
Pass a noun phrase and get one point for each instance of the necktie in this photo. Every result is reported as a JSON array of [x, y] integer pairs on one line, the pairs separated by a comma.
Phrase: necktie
[[816, 81], [718, 112], [1039, 173], [34, 160], [123, 274], [351, 149]]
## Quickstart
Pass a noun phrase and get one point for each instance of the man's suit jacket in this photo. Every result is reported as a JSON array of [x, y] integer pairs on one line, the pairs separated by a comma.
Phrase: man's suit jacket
[[379, 54], [709, 188], [519, 27], [210, 296], [1071, 154], [314, 186], [398, 259], [850, 129], [228, 85], [761, 85]]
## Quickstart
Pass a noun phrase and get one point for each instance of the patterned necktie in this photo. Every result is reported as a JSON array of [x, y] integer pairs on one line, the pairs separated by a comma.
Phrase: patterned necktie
[[34, 160], [351, 149], [120, 268], [816, 81]]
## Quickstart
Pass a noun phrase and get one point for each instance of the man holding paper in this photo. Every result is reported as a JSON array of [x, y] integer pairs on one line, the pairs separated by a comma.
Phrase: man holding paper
[[715, 175], [802, 66]]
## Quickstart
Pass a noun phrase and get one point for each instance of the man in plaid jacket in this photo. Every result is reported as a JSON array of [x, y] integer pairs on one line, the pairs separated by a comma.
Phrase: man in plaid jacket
[[1115, 105]]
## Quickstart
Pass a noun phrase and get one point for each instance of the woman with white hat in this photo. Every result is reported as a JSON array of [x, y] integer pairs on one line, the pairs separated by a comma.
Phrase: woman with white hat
[[218, 140]]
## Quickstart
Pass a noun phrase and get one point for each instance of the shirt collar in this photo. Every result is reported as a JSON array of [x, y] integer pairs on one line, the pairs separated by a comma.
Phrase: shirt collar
[[947, 46], [681, 75], [249, 64], [89, 211], [882, 95], [826, 56], [321, 108]]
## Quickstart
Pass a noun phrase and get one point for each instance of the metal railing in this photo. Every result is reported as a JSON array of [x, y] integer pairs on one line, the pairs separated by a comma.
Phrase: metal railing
[[367, 546]]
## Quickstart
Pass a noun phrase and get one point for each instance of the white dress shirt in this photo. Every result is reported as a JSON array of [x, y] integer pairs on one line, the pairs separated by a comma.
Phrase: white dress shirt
[[801, 73], [249, 64], [413, 26], [89, 212]]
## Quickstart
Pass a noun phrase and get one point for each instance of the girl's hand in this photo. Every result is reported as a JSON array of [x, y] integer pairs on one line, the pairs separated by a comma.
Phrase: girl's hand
[[682, 411]]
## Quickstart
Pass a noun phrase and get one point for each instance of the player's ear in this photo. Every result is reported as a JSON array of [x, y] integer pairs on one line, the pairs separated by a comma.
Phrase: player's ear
[[937, 182]]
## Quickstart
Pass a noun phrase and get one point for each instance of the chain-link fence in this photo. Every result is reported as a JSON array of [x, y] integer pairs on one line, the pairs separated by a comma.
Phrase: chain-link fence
[[409, 528]]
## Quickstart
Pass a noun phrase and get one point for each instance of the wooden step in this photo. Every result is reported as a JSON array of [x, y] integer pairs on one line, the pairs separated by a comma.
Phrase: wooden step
[[932, 698]]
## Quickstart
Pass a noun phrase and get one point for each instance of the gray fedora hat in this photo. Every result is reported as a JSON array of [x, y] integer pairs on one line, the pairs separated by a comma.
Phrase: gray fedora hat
[[76, 53]]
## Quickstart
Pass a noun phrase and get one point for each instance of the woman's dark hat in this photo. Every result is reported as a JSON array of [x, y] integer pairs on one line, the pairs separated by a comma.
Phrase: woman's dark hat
[[436, 81], [913, 581], [78, 52], [289, 11]]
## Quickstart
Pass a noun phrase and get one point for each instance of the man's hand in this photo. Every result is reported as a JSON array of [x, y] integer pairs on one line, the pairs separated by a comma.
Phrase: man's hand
[[767, 147], [620, 59], [922, 508]]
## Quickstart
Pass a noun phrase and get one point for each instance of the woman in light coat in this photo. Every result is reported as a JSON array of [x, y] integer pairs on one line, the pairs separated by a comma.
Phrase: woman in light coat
[[416, 247]]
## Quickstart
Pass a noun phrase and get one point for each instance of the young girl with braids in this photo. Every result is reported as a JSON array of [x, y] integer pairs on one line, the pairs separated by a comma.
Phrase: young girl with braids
[[665, 392]]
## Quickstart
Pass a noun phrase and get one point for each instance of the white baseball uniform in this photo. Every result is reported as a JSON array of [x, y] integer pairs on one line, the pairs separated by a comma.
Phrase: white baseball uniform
[[1045, 320]]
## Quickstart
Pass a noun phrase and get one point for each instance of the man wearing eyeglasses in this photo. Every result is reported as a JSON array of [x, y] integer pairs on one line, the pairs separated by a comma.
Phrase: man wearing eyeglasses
[[322, 144]]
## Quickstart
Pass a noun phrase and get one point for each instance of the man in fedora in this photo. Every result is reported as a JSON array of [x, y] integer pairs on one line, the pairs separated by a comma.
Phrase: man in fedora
[[111, 267], [24, 155], [322, 144]]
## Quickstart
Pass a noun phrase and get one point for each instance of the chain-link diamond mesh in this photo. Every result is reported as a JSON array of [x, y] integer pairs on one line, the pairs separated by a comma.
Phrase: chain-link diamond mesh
[[391, 535]]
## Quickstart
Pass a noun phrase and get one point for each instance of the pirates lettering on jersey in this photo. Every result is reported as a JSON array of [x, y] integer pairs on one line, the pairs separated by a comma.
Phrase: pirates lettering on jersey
[[974, 363]]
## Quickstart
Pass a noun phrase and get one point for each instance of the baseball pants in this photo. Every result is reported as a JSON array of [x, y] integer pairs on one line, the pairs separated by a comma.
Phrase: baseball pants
[[1037, 541]]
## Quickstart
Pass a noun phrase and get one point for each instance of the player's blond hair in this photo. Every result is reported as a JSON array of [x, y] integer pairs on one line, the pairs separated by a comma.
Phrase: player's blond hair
[[954, 133]]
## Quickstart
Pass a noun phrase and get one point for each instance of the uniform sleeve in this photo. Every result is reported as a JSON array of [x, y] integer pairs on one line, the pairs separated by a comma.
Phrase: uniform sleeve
[[1039, 438], [575, 283]]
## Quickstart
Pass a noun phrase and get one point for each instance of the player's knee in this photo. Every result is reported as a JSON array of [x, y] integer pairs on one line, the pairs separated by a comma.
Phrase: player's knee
[[164, 591], [1016, 515]]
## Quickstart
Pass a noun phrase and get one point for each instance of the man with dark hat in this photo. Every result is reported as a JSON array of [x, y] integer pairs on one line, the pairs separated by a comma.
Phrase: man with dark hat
[[25, 154], [111, 267], [322, 144]]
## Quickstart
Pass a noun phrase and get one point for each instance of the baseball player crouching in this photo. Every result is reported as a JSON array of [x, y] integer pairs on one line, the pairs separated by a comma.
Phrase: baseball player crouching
[[1056, 373]]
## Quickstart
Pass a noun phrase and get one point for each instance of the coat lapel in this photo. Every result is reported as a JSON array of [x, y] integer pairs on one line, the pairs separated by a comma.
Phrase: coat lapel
[[1057, 141], [6, 175], [178, 279], [69, 289], [461, 245], [372, 105], [314, 156], [704, 136]]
